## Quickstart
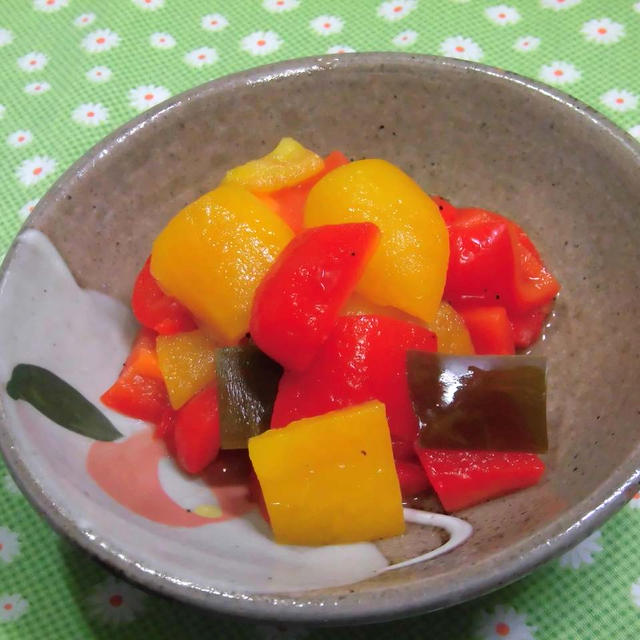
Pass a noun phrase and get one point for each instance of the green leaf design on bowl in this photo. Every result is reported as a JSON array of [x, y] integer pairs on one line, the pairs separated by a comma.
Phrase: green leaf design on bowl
[[60, 402]]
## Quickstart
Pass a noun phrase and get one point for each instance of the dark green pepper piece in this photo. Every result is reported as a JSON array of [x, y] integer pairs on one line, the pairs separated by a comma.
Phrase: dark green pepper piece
[[60, 402], [247, 382], [486, 403]]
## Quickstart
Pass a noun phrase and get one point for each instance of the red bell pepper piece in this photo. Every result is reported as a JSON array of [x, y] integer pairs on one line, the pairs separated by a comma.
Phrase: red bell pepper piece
[[403, 450], [155, 309], [481, 262], [492, 261], [413, 480], [298, 301], [290, 200], [490, 330], [197, 432], [364, 358], [462, 479], [527, 327], [447, 210], [139, 391], [165, 429]]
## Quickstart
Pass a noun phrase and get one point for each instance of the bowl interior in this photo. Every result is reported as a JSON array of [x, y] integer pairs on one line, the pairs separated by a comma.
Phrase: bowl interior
[[474, 135]]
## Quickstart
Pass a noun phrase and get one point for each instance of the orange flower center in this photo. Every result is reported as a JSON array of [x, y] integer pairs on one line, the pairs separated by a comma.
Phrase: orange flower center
[[90, 114], [201, 56], [502, 16], [115, 600], [8, 606], [261, 43], [460, 48], [100, 40], [148, 96], [602, 31], [37, 171], [397, 9], [619, 100], [20, 139], [32, 61], [558, 72], [502, 629]]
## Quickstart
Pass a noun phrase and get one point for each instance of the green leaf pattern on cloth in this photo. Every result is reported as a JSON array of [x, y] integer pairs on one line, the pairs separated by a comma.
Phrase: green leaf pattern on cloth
[[73, 70]]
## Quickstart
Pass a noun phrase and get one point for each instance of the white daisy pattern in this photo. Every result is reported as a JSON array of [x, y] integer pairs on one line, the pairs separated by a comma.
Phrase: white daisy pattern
[[602, 31], [619, 100], [32, 170], [327, 25], [36, 88], [100, 40], [12, 606], [502, 15], [558, 72], [635, 501], [279, 6], [505, 622], [49, 6], [559, 5], [24, 212], [84, 20], [582, 553], [636, 7], [9, 545], [261, 43], [526, 43], [162, 41], [635, 593], [461, 47], [98, 74], [341, 48], [115, 602], [145, 96], [2, 110], [214, 22], [34, 61], [19, 138], [149, 5], [396, 9], [202, 57], [6, 37], [405, 38], [90, 114]]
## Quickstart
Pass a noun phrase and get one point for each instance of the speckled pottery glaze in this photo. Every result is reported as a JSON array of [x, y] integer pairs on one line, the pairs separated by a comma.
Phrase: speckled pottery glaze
[[477, 135]]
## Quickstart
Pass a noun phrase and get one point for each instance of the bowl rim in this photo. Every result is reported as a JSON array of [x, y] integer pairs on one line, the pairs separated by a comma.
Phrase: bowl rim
[[576, 523]]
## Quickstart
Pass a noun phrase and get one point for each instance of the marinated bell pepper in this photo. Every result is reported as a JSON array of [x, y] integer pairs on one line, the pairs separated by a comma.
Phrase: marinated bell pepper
[[409, 267], [364, 358], [139, 392], [288, 164], [487, 403], [214, 253], [462, 479], [330, 479], [247, 382], [187, 364], [300, 297], [156, 310]]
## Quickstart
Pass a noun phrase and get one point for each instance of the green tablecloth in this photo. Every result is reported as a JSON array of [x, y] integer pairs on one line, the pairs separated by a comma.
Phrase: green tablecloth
[[73, 70]]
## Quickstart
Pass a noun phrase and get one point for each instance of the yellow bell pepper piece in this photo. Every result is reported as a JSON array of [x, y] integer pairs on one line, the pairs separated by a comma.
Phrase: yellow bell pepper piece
[[453, 336], [214, 253], [187, 363], [408, 269], [285, 166], [330, 479]]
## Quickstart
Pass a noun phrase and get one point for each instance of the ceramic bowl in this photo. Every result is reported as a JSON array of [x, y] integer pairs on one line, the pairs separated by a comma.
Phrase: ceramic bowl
[[474, 134]]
